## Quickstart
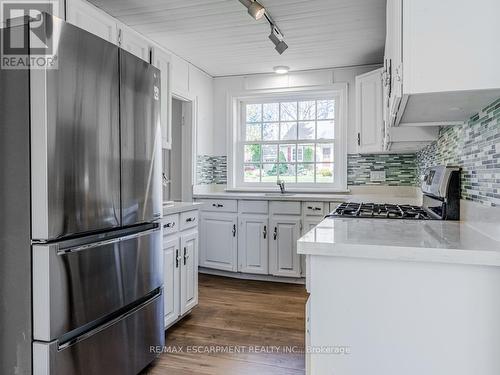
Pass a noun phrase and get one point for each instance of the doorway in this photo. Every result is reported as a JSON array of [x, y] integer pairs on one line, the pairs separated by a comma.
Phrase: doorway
[[178, 161]]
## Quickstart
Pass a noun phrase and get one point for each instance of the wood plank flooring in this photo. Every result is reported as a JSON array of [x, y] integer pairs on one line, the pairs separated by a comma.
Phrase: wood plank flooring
[[238, 315]]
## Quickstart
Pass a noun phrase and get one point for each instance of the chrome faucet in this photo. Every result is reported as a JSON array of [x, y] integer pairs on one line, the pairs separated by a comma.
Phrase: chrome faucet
[[281, 184]]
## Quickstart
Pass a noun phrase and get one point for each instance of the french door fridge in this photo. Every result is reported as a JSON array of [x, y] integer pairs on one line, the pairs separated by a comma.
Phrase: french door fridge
[[80, 195]]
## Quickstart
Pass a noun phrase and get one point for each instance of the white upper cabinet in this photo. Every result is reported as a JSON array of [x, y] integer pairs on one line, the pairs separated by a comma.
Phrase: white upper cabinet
[[161, 60], [180, 76], [369, 106], [441, 60], [88, 17], [135, 43]]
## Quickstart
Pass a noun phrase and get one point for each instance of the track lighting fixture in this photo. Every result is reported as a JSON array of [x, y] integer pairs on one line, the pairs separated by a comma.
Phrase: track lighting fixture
[[257, 11]]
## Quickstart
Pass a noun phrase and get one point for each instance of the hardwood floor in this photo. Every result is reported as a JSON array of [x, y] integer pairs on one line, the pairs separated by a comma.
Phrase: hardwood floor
[[238, 315]]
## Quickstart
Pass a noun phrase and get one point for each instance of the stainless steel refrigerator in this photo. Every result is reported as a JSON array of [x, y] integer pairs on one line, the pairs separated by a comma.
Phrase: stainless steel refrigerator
[[80, 195]]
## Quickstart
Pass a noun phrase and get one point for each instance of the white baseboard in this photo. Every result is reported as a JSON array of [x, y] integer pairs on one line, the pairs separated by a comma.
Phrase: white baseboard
[[248, 276]]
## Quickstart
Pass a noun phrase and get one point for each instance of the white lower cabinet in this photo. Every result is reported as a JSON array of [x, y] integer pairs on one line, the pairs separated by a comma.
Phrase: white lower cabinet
[[253, 244], [180, 261], [283, 257], [189, 271], [171, 251], [219, 241]]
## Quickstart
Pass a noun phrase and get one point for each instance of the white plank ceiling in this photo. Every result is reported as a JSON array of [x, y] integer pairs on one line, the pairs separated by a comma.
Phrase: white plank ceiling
[[220, 37]]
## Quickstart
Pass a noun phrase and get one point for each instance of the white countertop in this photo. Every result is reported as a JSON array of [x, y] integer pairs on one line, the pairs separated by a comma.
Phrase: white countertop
[[410, 240], [177, 207]]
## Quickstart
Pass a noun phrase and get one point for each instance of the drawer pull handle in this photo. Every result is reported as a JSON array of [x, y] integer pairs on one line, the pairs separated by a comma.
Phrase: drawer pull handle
[[314, 208], [217, 205], [265, 231], [190, 219], [169, 225]]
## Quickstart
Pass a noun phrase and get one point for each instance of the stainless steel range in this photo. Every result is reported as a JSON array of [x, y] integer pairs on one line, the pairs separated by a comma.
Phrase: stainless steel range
[[441, 200]]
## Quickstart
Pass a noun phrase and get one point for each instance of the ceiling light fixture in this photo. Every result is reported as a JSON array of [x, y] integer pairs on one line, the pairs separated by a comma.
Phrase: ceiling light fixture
[[255, 9], [281, 69]]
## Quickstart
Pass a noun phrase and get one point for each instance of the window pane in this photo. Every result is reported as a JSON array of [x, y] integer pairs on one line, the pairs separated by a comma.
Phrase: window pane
[[305, 172], [326, 109], [326, 129], [306, 130], [269, 153], [252, 173], [324, 153], [253, 132], [307, 110], [288, 111], [254, 113], [324, 173], [288, 131], [287, 172], [270, 132], [305, 153], [287, 153], [271, 112], [269, 173], [252, 153]]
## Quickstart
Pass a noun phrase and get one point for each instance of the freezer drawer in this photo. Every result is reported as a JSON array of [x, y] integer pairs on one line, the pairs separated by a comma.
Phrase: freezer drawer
[[75, 144], [76, 284], [140, 140], [123, 346]]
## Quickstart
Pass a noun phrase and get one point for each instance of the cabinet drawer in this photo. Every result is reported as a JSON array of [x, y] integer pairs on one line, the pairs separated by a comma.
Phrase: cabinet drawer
[[313, 208], [253, 207], [170, 224], [189, 219], [284, 208], [220, 205]]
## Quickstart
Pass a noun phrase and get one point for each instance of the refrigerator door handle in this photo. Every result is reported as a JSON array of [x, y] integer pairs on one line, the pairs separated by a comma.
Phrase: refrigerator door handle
[[92, 245]]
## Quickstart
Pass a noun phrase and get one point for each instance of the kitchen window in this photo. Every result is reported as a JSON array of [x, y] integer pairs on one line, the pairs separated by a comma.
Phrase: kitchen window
[[296, 138]]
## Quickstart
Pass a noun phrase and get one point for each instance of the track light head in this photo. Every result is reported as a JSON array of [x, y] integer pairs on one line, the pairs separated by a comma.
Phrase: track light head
[[277, 38], [256, 10]]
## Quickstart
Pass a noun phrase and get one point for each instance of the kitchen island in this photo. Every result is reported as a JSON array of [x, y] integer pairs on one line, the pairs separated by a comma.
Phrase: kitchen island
[[401, 297]]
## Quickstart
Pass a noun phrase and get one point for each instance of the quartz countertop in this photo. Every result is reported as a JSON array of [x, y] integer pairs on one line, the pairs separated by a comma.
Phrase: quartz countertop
[[410, 240], [176, 207]]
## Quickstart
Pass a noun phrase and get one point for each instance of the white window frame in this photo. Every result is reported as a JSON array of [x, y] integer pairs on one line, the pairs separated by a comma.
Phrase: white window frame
[[235, 134]]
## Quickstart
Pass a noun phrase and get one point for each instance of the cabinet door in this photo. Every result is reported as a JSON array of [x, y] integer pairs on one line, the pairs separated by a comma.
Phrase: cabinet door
[[283, 257], [171, 266], [135, 43], [369, 116], [88, 17], [309, 223], [189, 271], [394, 56], [218, 241], [161, 60], [253, 244], [180, 76]]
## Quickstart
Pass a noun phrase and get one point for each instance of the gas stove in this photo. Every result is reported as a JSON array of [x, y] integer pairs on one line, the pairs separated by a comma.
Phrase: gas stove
[[380, 211], [441, 200]]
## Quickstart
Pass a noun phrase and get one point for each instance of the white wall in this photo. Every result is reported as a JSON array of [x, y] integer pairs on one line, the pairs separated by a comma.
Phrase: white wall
[[225, 86]]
